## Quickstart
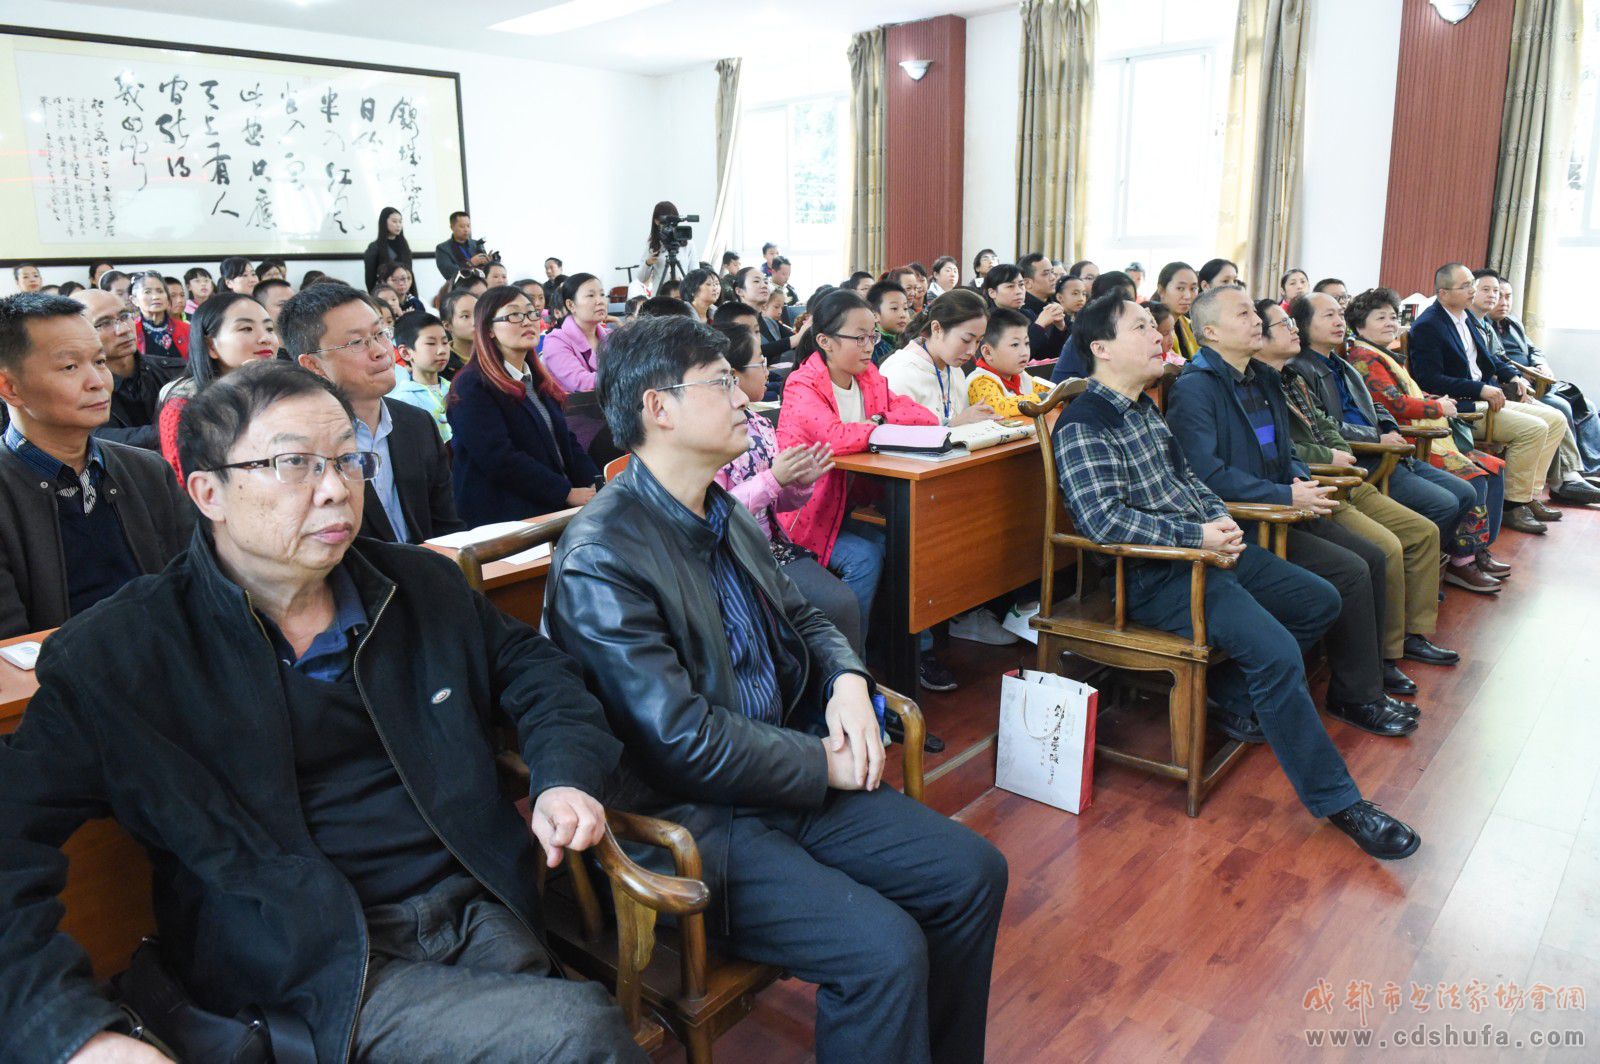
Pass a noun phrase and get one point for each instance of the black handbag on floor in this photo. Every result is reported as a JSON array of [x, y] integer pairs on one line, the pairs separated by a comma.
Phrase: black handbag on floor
[[166, 1016]]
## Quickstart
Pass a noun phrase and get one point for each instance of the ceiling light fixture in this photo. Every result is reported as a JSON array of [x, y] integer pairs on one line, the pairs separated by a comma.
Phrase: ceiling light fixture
[[573, 15], [915, 68], [1453, 11]]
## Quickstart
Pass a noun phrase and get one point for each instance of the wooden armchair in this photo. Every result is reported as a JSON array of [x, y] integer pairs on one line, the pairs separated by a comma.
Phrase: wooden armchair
[[1094, 625], [668, 976], [1539, 381]]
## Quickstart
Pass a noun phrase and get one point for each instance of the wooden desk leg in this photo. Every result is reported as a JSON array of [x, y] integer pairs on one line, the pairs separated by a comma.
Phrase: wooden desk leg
[[894, 588]]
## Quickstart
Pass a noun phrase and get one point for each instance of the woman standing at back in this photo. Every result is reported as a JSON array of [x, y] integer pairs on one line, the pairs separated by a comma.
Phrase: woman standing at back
[[390, 248]]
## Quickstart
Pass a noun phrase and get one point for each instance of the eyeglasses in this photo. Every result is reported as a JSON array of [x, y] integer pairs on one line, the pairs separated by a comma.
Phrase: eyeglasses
[[295, 467], [756, 363], [379, 339], [1287, 323], [860, 339], [124, 320], [517, 317], [725, 381]]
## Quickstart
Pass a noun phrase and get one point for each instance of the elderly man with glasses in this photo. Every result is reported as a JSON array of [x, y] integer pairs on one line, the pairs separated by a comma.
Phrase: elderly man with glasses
[[313, 771], [335, 332]]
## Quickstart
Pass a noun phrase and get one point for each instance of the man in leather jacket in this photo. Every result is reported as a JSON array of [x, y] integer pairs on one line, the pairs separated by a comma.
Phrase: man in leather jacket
[[746, 717], [299, 729]]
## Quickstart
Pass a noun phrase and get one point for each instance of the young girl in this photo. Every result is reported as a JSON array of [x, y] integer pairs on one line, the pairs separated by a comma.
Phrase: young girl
[[767, 482], [398, 277], [1177, 285], [837, 396], [1000, 379], [197, 282], [1167, 326], [938, 342], [1292, 286]]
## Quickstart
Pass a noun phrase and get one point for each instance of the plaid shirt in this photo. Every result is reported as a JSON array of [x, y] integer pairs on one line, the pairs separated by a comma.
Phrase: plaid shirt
[[1124, 478]]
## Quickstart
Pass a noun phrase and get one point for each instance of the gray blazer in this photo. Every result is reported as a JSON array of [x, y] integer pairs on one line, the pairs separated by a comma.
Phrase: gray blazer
[[1315, 369], [139, 485]]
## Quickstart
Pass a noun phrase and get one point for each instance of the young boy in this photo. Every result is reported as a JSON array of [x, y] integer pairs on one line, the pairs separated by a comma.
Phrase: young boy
[[888, 301], [422, 345], [1000, 377]]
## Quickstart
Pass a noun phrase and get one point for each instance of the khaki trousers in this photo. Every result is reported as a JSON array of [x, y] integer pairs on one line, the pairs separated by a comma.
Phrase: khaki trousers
[[1410, 544], [1532, 434]]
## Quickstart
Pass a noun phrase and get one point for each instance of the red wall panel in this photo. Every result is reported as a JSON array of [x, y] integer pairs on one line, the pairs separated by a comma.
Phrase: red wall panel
[[1448, 100], [927, 128]]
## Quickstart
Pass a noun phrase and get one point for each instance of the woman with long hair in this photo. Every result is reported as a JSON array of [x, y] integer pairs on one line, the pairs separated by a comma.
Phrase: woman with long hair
[[1177, 285], [837, 396], [1215, 273], [514, 455], [237, 274], [933, 348], [653, 263], [388, 248], [701, 290], [227, 331]]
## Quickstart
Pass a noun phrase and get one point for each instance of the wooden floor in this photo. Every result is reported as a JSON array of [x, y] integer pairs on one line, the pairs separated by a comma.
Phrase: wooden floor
[[1133, 933]]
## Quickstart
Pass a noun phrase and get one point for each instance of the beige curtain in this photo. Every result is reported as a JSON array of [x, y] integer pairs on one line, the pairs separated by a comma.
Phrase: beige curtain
[[1259, 217], [1535, 140], [867, 129], [720, 233], [1053, 126]]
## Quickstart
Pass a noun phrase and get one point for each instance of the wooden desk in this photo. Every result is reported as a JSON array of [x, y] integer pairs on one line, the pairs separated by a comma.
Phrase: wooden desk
[[16, 685], [516, 590], [959, 533]]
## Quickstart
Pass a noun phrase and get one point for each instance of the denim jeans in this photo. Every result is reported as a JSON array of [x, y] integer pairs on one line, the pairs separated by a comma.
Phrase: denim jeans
[[857, 559], [1264, 613], [1587, 431], [1441, 497]]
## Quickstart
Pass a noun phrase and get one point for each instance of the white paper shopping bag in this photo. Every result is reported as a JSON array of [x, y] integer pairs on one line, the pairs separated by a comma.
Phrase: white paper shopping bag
[[1046, 741]]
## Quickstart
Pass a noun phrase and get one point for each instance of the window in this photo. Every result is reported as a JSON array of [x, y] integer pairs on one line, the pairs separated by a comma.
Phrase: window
[[1565, 277], [1155, 138], [793, 183]]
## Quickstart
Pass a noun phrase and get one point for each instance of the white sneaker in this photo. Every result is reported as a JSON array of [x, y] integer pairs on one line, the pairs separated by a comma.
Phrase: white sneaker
[[1016, 621], [979, 626]]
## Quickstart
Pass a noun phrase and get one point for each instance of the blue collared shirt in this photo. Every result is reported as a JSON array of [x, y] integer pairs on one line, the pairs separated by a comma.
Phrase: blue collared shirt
[[383, 484], [1349, 412], [82, 489], [744, 622], [332, 652]]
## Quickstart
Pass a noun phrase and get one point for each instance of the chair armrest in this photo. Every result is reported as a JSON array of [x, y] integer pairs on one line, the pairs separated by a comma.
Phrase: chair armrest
[[1379, 447], [916, 731], [676, 895], [1147, 552], [1328, 469], [636, 919], [1338, 480], [1268, 512], [1469, 416], [1538, 376]]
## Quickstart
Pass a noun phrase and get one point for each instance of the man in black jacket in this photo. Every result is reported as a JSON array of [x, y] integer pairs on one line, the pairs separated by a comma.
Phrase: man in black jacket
[[747, 718], [139, 378], [275, 718], [79, 517], [460, 252], [334, 331]]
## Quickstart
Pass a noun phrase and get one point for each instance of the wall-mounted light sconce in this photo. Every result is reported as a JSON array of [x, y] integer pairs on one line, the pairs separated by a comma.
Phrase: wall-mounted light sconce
[[1453, 11], [915, 68]]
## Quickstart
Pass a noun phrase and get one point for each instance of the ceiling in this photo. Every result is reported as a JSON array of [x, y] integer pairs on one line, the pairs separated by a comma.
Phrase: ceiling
[[671, 36]]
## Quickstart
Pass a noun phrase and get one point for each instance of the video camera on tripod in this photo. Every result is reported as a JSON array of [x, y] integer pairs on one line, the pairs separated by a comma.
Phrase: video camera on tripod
[[673, 233]]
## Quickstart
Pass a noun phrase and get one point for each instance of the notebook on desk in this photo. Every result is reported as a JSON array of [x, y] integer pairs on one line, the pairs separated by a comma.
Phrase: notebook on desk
[[977, 436]]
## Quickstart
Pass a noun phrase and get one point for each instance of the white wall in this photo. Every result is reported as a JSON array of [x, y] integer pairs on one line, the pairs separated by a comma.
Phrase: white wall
[[685, 136], [989, 181], [1349, 125], [554, 159]]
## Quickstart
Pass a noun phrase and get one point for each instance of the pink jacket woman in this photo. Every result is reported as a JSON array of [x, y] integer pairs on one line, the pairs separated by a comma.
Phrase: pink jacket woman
[[748, 478], [811, 414], [568, 358]]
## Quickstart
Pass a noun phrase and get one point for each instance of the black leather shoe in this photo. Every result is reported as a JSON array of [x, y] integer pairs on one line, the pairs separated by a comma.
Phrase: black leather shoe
[[1379, 834], [1243, 729], [1575, 493], [1375, 717], [1396, 682], [897, 731], [1542, 512], [1408, 709], [1418, 648], [1521, 519]]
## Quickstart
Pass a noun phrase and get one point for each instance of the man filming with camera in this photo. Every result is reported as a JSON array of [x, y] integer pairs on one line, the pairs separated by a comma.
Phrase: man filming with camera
[[461, 252], [669, 253]]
